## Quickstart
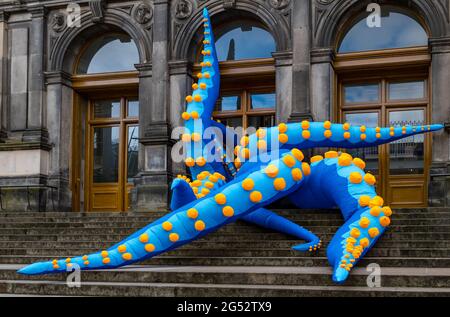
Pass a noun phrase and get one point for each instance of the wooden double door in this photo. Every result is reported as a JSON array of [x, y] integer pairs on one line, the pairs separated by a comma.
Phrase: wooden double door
[[112, 143], [401, 167]]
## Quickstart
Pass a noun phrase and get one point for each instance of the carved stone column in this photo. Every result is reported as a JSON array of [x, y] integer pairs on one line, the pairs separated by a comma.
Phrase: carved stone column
[[59, 123], [3, 75], [152, 184], [180, 86], [283, 83], [36, 131], [322, 74], [439, 190], [301, 42]]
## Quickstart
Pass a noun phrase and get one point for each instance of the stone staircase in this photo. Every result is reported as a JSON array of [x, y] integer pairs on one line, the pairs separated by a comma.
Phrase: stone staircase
[[237, 260]]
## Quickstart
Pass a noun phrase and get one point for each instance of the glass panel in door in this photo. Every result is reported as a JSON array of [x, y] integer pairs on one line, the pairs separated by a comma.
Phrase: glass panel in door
[[106, 155], [132, 152], [407, 156], [369, 155]]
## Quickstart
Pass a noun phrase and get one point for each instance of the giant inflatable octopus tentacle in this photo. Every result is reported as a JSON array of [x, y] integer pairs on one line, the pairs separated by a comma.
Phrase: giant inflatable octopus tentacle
[[339, 180], [235, 200], [218, 195], [270, 220]]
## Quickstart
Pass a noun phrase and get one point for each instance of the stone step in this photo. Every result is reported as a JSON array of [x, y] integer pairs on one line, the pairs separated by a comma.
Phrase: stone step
[[297, 215], [127, 223], [300, 261], [280, 210], [319, 230], [145, 289], [306, 276], [204, 243], [218, 236], [234, 252]]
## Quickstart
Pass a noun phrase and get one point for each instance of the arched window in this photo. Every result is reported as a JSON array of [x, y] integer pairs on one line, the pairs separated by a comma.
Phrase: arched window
[[244, 40], [106, 86], [383, 76], [109, 53], [397, 30]]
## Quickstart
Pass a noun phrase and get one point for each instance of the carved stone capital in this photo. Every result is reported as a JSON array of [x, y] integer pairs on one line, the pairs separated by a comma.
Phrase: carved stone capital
[[322, 55], [180, 67], [440, 45], [183, 9], [37, 12], [279, 4], [143, 13], [4, 16], [97, 8]]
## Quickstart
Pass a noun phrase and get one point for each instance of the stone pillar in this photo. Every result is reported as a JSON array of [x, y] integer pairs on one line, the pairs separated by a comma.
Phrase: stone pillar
[[152, 184], [322, 88], [36, 131], [3, 75], [59, 123], [439, 189], [180, 86], [283, 83], [301, 42]]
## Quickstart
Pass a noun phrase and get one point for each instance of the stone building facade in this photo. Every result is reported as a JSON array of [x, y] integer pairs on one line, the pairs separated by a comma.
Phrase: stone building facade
[[46, 150]]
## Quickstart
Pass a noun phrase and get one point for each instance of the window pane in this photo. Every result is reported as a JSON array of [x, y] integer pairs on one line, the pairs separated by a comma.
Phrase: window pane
[[369, 155], [261, 121], [409, 90], [106, 155], [133, 108], [397, 30], [231, 122], [407, 155], [132, 152], [361, 93], [107, 109], [244, 41], [229, 103], [263, 101], [109, 53]]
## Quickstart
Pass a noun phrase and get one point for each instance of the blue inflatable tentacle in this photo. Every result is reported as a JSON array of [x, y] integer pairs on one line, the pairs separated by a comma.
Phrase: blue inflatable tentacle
[[268, 219], [200, 106], [182, 193], [307, 135], [235, 200], [340, 180]]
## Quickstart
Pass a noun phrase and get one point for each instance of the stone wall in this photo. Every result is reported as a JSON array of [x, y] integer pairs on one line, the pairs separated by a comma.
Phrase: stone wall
[[38, 51]]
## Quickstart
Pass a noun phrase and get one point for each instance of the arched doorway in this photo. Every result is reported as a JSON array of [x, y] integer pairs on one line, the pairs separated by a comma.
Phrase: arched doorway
[[386, 82], [106, 122]]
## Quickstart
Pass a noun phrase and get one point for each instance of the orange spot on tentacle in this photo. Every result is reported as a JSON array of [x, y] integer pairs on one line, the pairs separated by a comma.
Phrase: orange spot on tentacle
[[248, 184], [306, 169], [345, 159], [360, 163], [149, 247], [256, 197], [316, 158], [167, 226], [228, 211], [143, 238], [331, 154], [220, 199], [296, 174], [279, 184], [355, 178], [271, 171]]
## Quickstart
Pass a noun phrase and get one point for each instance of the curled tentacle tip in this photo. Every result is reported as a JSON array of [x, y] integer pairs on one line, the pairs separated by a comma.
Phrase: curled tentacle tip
[[340, 275]]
